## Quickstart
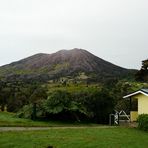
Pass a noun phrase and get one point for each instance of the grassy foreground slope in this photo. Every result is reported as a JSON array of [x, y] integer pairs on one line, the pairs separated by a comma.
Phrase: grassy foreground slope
[[10, 120], [76, 138]]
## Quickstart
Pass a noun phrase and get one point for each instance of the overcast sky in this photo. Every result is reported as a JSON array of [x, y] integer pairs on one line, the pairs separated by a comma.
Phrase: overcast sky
[[115, 30]]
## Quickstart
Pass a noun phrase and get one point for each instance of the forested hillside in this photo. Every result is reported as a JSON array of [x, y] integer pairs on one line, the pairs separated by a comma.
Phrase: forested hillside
[[68, 85], [75, 63]]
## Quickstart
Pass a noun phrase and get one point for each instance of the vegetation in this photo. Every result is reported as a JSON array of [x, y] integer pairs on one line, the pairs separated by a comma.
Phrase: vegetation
[[79, 137], [143, 122], [11, 120], [16, 94], [91, 105], [67, 100], [68, 89], [80, 96], [142, 74]]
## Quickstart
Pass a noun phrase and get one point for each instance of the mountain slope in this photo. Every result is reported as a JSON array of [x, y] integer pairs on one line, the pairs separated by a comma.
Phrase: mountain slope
[[62, 63]]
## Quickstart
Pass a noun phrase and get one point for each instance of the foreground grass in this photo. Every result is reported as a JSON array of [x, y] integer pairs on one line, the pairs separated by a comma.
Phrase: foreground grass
[[76, 138], [10, 119]]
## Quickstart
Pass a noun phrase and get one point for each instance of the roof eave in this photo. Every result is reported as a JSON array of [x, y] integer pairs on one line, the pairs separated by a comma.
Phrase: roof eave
[[135, 93]]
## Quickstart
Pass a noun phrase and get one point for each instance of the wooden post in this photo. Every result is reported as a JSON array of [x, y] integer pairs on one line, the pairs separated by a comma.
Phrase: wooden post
[[130, 108]]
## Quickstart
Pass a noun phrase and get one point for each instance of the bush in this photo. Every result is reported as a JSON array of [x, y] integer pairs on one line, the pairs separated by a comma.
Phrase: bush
[[25, 112], [143, 122], [29, 112]]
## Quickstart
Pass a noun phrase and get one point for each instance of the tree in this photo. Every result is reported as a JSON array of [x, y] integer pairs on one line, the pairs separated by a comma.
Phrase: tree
[[93, 104], [145, 65], [102, 104], [63, 103], [142, 74], [39, 94]]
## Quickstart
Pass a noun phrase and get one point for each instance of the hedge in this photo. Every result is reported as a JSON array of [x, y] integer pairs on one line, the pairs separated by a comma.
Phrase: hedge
[[143, 122]]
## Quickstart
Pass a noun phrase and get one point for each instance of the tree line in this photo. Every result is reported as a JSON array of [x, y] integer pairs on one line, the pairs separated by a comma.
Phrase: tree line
[[92, 105], [34, 100]]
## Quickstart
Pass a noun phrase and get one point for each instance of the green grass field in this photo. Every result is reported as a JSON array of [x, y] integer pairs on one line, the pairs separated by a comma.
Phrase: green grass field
[[10, 120], [76, 138], [87, 137]]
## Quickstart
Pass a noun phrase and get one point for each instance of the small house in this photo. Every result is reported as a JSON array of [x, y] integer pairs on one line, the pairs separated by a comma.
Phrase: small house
[[141, 99]]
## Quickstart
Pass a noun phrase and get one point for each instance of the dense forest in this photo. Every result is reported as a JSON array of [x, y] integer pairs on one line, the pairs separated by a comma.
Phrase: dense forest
[[65, 100]]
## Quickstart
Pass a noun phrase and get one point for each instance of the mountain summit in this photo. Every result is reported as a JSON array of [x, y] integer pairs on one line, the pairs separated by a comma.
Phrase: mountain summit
[[63, 63]]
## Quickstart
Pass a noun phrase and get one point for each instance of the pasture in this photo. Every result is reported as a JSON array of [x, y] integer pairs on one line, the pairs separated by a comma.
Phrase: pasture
[[88, 137]]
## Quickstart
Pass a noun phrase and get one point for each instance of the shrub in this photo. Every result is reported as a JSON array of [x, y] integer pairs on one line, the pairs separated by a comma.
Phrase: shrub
[[29, 112], [25, 112], [143, 122]]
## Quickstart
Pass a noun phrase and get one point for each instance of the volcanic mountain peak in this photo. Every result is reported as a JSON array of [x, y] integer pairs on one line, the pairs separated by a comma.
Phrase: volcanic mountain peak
[[64, 63]]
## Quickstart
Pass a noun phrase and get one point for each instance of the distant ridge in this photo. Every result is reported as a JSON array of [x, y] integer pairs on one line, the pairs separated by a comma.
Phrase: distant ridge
[[62, 63]]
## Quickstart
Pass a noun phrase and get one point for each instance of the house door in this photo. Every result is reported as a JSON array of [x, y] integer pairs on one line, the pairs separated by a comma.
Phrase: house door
[[134, 110]]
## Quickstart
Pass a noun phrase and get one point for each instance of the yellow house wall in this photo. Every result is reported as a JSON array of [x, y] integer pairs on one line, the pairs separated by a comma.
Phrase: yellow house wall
[[133, 116], [142, 104]]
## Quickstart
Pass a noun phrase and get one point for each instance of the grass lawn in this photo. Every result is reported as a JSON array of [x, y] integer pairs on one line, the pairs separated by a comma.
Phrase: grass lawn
[[76, 138], [9, 119]]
